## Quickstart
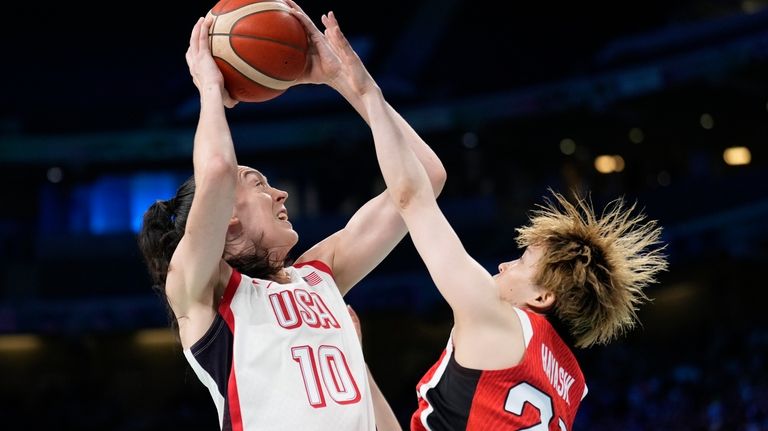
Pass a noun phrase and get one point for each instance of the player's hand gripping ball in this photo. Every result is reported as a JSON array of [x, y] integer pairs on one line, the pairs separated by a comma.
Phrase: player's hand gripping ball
[[259, 46]]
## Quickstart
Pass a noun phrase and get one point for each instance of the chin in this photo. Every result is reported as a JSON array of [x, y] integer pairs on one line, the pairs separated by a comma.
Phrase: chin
[[294, 241], [290, 241], [294, 237]]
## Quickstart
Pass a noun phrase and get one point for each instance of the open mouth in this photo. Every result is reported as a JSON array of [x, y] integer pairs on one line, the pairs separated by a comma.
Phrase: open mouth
[[282, 215]]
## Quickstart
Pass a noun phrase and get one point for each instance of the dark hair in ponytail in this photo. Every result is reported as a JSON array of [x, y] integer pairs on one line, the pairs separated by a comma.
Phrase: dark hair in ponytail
[[163, 227]]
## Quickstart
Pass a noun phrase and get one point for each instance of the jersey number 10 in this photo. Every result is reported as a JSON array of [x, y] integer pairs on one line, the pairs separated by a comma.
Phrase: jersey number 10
[[329, 370]]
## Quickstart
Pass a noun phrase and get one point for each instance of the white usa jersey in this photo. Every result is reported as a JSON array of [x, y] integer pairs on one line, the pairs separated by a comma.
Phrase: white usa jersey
[[285, 356]]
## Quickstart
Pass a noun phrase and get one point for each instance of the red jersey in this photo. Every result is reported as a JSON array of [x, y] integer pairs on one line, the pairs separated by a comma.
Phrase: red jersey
[[541, 393]]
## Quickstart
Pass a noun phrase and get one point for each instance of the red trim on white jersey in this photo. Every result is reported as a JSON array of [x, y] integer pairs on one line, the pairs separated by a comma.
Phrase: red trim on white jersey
[[259, 360], [226, 312], [229, 293], [317, 264]]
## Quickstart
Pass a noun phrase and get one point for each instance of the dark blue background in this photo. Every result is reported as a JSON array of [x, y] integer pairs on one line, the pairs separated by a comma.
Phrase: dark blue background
[[97, 118]]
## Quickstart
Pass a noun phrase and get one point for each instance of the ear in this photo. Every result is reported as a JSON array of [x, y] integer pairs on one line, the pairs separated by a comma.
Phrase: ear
[[234, 228], [542, 301]]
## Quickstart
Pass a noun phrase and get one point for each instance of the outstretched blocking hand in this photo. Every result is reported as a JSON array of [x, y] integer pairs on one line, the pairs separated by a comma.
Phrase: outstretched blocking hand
[[202, 67], [332, 60], [353, 70], [323, 65]]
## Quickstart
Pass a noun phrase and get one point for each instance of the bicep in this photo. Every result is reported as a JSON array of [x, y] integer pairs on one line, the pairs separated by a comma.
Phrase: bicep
[[196, 260], [369, 236]]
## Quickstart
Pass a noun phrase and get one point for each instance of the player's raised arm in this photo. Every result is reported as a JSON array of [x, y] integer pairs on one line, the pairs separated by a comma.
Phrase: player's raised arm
[[374, 230]]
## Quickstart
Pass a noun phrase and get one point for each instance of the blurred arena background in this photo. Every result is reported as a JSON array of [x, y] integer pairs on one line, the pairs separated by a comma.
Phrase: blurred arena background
[[662, 102]]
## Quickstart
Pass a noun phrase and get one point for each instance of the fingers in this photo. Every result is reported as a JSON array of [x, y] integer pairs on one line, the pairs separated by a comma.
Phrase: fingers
[[194, 42], [337, 38], [205, 27], [331, 45], [194, 38], [295, 6], [229, 102], [332, 28], [302, 17], [306, 22], [332, 19]]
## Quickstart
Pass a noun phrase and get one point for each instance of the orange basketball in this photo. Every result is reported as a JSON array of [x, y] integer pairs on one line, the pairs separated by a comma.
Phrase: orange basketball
[[259, 46]]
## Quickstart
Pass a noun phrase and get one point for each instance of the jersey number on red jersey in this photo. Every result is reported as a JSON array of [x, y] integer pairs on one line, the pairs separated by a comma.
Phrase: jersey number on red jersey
[[525, 393]]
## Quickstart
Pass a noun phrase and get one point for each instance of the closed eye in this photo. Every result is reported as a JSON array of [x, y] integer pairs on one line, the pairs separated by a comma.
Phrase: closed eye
[[256, 181]]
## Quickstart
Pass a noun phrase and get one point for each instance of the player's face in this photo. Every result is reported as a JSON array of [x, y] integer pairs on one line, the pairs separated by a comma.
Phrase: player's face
[[260, 208], [515, 279]]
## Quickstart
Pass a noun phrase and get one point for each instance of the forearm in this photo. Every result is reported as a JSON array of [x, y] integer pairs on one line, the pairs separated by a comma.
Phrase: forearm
[[385, 417], [422, 151], [404, 174], [213, 140], [354, 99], [427, 157]]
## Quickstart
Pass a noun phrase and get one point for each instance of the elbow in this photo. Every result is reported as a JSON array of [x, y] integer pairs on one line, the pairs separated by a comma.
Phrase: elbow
[[436, 173], [437, 177], [220, 169], [404, 195]]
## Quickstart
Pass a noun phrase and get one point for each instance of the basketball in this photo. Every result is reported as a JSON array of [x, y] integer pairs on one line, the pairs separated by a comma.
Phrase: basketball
[[259, 46]]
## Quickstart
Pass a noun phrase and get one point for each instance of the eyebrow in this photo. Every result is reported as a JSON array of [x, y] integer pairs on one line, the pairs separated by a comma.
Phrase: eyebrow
[[260, 177]]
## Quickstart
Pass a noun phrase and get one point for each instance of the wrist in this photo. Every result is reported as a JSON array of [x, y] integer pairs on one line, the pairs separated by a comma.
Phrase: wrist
[[211, 89], [372, 94], [356, 89], [212, 86]]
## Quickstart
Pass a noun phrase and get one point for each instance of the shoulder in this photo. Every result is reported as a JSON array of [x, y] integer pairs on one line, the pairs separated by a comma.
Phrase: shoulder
[[182, 299], [323, 251], [495, 341], [315, 273], [309, 265], [196, 316], [528, 322]]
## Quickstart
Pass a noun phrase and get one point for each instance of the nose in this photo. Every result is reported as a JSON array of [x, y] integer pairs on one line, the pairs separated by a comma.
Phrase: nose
[[505, 265], [279, 195]]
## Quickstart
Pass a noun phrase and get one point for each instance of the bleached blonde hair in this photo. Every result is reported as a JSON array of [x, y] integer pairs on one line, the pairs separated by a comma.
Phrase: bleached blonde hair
[[596, 267]]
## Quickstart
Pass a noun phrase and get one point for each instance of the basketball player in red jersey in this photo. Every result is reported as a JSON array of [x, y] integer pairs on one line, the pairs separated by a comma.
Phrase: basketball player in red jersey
[[506, 367], [274, 344]]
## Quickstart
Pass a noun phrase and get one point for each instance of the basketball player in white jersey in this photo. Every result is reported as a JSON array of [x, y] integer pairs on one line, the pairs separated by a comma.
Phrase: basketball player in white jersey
[[508, 364], [274, 344]]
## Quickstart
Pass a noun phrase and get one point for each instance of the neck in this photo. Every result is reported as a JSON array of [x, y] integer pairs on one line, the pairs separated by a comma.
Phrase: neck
[[282, 276]]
